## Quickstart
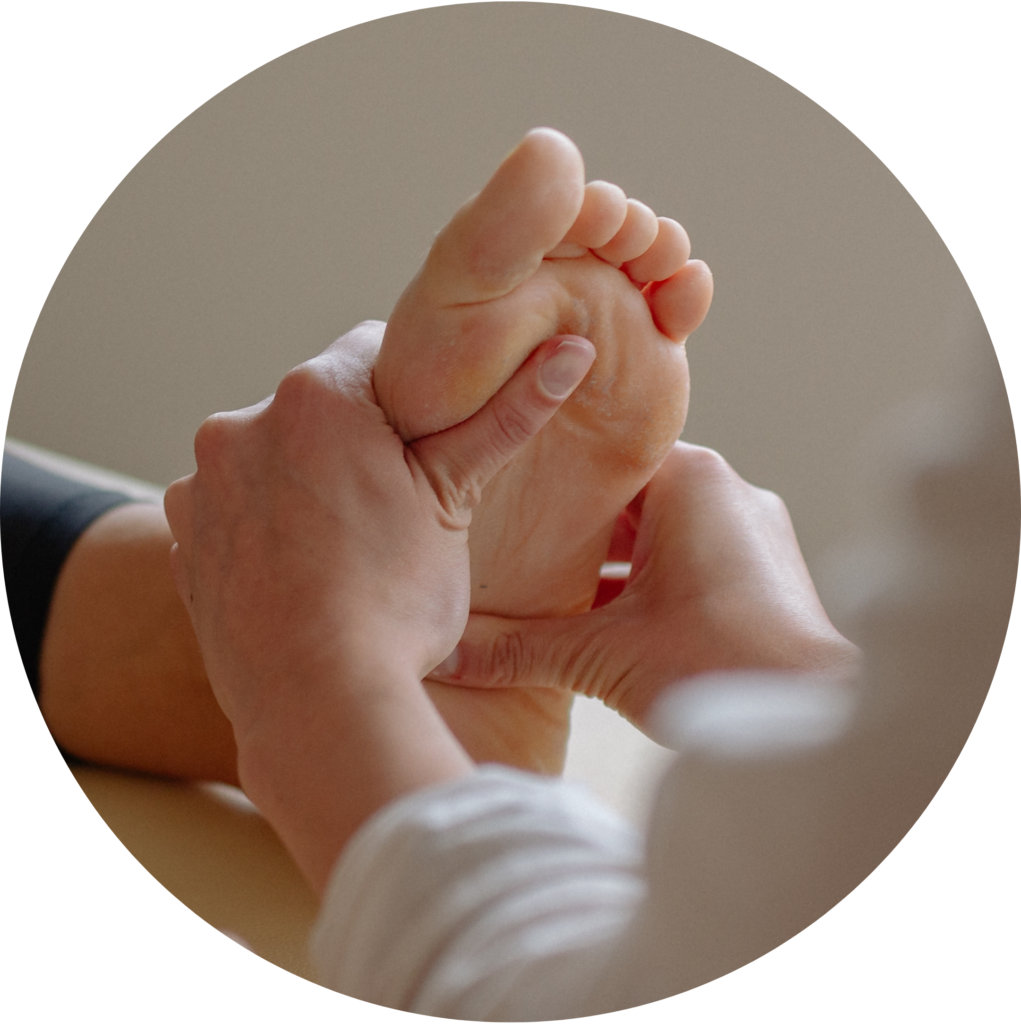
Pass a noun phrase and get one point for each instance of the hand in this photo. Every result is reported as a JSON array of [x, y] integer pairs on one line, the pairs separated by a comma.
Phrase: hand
[[310, 528], [717, 582], [325, 568]]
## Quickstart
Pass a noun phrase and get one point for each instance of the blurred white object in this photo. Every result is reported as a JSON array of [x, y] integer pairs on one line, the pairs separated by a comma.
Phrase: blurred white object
[[752, 714], [509, 897]]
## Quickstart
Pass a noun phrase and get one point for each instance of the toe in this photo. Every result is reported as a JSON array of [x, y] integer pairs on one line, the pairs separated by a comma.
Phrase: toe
[[667, 254], [635, 236], [680, 303], [498, 239], [602, 215]]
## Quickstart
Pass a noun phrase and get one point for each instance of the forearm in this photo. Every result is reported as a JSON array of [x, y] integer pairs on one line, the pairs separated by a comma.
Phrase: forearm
[[123, 681], [318, 768]]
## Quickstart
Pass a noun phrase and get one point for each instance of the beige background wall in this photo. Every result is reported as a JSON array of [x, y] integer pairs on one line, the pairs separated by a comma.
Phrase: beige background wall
[[301, 199]]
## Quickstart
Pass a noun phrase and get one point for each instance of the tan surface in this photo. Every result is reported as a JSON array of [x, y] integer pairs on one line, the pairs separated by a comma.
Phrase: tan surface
[[210, 847]]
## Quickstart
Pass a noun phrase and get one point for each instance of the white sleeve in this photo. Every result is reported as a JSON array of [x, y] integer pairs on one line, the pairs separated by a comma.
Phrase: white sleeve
[[508, 896], [496, 897]]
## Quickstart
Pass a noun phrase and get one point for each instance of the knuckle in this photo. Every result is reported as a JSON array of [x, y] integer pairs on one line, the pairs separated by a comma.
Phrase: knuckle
[[370, 329], [213, 439], [770, 498], [304, 402], [709, 469], [298, 387], [709, 461], [773, 504]]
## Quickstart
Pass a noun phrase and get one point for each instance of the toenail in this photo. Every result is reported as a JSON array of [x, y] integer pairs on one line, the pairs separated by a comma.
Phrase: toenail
[[564, 370]]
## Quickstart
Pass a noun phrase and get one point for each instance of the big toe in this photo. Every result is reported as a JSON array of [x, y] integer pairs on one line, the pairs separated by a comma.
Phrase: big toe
[[680, 304], [498, 238]]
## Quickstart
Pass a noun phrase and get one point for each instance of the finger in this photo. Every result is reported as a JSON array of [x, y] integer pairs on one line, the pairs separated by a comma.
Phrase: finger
[[688, 475], [668, 498], [343, 370], [359, 346], [499, 653], [460, 461], [696, 507]]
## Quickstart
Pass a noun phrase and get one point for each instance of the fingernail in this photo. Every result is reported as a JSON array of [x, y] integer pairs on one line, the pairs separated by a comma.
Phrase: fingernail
[[448, 667], [565, 368]]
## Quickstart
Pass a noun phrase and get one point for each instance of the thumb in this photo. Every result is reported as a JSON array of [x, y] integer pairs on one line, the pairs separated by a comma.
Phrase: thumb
[[460, 461], [500, 653]]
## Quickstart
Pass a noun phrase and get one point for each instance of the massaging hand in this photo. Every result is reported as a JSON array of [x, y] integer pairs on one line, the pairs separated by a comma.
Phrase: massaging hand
[[717, 582], [325, 568]]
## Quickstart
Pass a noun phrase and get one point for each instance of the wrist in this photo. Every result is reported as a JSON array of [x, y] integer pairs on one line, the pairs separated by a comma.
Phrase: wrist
[[319, 764], [305, 668]]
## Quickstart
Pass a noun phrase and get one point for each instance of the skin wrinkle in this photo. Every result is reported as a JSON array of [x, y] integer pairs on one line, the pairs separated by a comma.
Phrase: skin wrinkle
[[622, 684]]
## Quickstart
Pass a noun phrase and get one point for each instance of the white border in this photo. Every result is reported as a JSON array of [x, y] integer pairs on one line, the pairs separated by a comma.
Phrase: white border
[[89, 88]]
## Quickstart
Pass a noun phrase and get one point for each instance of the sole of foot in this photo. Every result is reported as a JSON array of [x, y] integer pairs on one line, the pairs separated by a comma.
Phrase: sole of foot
[[536, 254]]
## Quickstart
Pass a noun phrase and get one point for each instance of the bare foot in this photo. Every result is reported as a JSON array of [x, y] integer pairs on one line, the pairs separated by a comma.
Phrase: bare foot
[[537, 254]]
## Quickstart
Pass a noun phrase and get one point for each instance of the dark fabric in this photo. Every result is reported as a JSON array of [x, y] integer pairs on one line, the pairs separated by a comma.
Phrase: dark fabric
[[41, 516]]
